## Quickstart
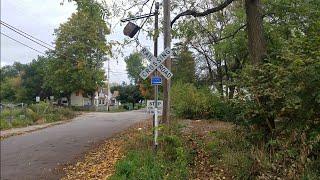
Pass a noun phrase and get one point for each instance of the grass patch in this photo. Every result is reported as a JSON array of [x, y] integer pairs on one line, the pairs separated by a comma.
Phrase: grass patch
[[231, 150], [140, 165], [170, 161]]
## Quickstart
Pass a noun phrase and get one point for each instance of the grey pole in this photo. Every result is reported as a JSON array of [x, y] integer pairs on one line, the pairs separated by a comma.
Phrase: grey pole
[[156, 89]]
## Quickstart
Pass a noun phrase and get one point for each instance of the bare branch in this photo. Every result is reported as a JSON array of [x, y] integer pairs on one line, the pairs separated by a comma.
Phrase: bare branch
[[232, 34], [194, 13]]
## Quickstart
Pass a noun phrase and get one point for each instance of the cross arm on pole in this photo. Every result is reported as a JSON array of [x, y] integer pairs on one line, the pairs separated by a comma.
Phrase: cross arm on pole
[[138, 17]]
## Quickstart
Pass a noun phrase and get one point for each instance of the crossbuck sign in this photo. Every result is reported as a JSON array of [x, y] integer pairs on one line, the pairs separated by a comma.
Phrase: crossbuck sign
[[156, 63]]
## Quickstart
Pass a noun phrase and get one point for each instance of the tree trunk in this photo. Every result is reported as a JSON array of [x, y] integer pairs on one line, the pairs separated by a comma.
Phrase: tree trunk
[[257, 50], [220, 77], [210, 71], [256, 40], [227, 77]]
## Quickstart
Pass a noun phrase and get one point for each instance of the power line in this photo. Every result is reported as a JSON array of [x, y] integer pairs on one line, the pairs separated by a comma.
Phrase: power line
[[22, 43], [26, 34]]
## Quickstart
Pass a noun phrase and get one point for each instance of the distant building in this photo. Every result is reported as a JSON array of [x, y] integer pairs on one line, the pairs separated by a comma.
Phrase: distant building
[[101, 97], [113, 99], [78, 98]]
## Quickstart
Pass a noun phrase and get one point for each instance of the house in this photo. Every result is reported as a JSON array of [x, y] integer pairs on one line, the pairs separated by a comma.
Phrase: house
[[78, 98], [113, 99], [101, 96]]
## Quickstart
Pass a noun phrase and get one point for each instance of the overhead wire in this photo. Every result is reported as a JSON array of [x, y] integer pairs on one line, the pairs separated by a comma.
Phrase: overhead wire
[[4, 23], [26, 36], [22, 43]]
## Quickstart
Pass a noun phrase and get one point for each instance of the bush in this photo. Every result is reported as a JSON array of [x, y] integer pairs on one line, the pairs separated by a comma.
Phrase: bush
[[28, 116], [190, 102], [21, 122], [196, 103], [49, 112], [4, 124]]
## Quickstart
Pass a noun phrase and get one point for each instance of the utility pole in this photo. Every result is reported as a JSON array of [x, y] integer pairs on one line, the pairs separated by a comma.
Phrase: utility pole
[[156, 88], [130, 30], [109, 98], [167, 43]]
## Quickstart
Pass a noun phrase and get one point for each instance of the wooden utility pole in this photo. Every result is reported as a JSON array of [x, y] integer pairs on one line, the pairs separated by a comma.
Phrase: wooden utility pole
[[167, 43]]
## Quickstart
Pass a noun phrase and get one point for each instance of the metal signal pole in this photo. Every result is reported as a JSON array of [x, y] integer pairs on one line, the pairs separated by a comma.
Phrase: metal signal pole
[[130, 30], [167, 43], [156, 88]]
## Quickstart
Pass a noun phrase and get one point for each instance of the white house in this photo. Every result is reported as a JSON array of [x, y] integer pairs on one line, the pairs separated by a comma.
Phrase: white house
[[79, 99]]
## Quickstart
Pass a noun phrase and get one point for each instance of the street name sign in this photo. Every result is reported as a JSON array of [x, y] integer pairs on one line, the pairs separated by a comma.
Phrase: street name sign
[[156, 80], [156, 63]]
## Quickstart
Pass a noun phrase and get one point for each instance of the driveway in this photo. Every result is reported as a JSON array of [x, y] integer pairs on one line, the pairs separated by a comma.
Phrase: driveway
[[35, 155]]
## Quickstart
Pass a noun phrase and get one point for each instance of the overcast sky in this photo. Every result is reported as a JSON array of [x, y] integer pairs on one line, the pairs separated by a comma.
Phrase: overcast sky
[[40, 18]]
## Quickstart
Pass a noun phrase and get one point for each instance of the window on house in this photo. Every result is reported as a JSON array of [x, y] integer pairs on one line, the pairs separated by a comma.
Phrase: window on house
[[77, 93]]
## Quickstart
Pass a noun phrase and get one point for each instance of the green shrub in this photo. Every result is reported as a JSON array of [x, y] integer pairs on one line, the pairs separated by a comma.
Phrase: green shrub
[[42, 108], [21, 122], [4, 124], [30, 114], [5, 113], [196, 103], [65, 112], [190, 102], [52, 117]]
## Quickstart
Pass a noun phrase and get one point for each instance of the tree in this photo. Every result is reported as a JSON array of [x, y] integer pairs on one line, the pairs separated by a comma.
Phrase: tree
[[184, 65], [256, 41], [11, 83], [128, 93], [134, 67], [76, 64], [7, 91], [33, 80]]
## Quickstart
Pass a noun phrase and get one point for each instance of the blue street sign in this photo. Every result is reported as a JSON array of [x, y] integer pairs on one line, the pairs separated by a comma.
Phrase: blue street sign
[[156, 80]]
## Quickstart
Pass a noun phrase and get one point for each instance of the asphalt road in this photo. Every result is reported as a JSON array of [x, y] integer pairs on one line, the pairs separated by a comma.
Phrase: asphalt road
[[35, 155]]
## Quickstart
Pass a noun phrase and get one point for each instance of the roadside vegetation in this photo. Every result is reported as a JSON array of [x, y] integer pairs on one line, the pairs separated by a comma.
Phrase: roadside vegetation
[[265, 84], [33, 114], [290, 150], [245, 92], [141, 161]]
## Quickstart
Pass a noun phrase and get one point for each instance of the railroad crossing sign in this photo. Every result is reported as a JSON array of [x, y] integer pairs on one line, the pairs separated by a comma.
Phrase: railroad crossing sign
[[156, 63]]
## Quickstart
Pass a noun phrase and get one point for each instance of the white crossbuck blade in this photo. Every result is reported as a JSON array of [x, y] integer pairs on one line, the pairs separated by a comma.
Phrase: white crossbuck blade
[[155, 63]]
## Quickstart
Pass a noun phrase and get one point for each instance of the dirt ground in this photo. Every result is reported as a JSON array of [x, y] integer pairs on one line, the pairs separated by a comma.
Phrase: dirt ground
[[197, 135]]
